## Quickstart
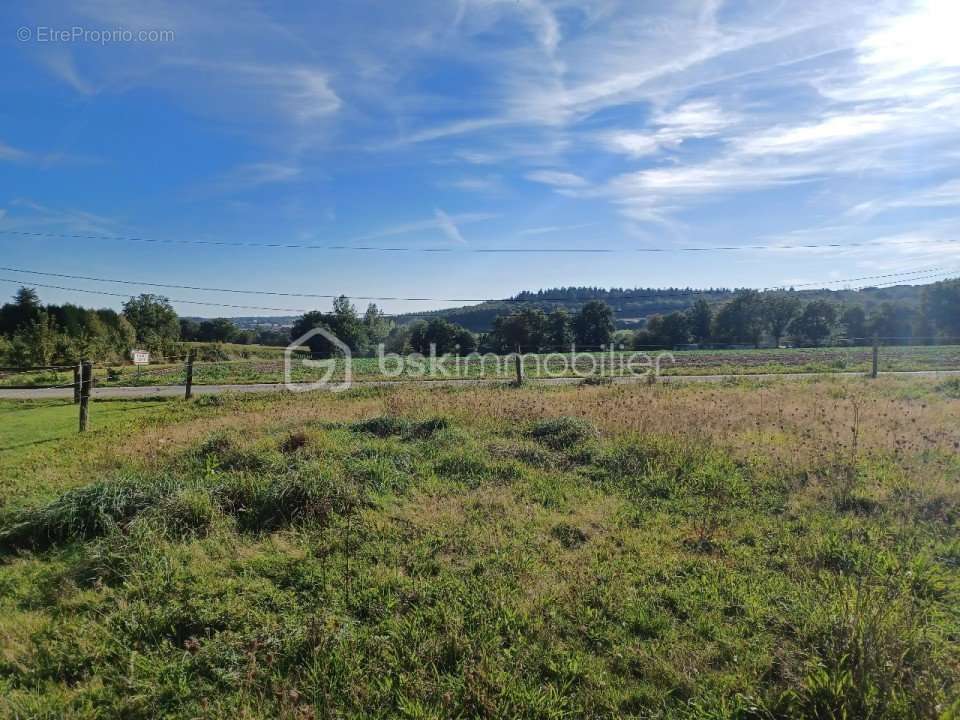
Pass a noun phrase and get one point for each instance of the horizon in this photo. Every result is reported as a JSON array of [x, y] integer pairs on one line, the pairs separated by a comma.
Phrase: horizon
[[475, 149]]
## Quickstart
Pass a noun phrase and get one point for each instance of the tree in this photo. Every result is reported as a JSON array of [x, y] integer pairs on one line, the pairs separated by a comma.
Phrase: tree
[[741, 319], [189, 329], [346, 324], [35, 342], [892, 322], [526, 329], [559, 331], [466, 341], [663, 331], [854, 321], [593, 326], [376, 324], [154, 320], [778, 310], [312, 320], [814, 323], [942, 304], [25, 308], [217, 330], [699, 318]]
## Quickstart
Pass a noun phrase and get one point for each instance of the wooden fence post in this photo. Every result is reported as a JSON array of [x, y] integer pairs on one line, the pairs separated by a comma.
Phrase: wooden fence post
[[876, 357], [518, 362], [76, 383], [188, 391], [86, 380]]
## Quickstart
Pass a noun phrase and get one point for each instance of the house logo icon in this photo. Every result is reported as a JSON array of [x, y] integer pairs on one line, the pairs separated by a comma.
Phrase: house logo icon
[[340, 357]]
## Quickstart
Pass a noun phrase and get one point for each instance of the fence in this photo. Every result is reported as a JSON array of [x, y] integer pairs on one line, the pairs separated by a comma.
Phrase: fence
[[524, 363]]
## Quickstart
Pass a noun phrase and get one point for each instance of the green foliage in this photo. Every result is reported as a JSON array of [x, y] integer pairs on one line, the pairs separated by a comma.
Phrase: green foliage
[[779, 310], [155, 321], [741, 320], [814, 324], [593, 325], [397, 566]]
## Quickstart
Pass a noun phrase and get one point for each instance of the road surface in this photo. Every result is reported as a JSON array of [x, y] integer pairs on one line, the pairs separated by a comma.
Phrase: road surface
[[159, 391]]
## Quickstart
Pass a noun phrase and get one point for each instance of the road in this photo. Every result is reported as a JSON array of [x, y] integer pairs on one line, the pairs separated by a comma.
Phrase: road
[[158, 391]]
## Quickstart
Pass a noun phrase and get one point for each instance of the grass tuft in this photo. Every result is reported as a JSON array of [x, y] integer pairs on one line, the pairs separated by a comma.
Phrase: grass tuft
[[563, 432]]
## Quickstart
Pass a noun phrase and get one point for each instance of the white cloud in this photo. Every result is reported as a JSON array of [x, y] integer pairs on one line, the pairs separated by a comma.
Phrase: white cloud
[[487, 183], [944, 195], [629, 143], [557, 178], [254, 175], [690, 120], [434, 223], [923, 39], [12, 154], [805, 139], [448, 227], [554, 229]]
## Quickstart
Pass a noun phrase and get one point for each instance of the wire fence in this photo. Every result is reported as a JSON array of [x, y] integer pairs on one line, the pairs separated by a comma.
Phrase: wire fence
[[536, 361]]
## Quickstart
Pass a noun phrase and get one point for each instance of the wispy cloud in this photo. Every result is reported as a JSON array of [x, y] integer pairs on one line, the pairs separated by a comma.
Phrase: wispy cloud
[[439, 221], [487, 183], [944, 195], [557, 178], [691, 120], [448, 227], [251, 176], [554, 229], [12, 154]]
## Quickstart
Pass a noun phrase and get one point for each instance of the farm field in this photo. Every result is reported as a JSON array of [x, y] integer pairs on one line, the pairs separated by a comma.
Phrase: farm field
[[745, 550], [685, 362]]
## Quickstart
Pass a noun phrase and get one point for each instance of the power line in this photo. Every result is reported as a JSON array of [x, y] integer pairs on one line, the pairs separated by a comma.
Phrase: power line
[[632, 296], [377, 248], [302, 310], [127, 295]]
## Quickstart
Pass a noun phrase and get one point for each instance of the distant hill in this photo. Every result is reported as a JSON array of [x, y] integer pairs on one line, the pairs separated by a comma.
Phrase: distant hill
[[631, 306]]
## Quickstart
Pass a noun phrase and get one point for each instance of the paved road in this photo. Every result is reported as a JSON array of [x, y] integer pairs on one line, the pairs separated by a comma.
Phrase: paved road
[[151, 391]]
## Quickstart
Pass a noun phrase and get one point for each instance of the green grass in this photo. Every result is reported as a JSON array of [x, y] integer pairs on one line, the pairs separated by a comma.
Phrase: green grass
[[268, 368], [35, 422], [488, 552]]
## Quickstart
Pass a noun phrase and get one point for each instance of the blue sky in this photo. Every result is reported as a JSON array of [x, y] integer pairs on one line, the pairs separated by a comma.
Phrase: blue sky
[[477, 124]]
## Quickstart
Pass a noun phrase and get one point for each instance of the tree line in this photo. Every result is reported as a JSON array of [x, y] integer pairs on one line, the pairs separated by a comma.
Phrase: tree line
[[752, 318], [33, 334]]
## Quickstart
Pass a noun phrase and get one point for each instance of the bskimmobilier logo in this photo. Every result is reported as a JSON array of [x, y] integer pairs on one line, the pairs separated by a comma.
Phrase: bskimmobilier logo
[[329, 379]]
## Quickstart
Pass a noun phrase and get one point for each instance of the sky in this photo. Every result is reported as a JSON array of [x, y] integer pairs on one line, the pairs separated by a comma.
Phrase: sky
[[472, 125]]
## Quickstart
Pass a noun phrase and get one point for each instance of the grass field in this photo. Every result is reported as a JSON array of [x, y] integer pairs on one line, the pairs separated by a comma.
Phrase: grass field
[[745, 550], [683, 362]]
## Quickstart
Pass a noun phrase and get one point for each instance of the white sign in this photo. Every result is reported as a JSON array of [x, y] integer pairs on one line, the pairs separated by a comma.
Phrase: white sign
[[140, 357]]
